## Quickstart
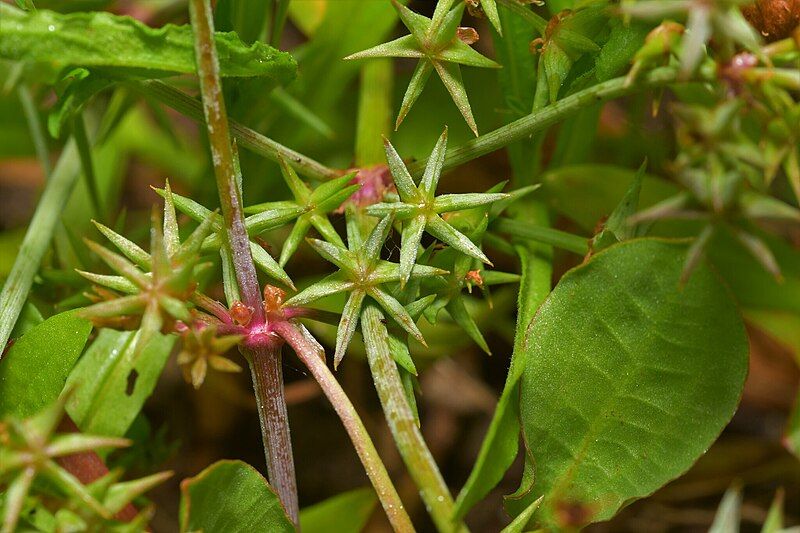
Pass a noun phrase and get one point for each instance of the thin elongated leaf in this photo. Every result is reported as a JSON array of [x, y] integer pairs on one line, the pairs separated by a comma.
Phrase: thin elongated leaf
[[347, 325], [647, 395], [452, 237], [729, 512], [127, 46], [33, 372], [231, 496], [349, 511], [110, 385]]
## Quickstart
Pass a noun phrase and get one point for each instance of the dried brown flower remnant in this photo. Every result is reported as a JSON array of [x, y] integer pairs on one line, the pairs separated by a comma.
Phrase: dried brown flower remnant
[[467, 35], [775, 19]]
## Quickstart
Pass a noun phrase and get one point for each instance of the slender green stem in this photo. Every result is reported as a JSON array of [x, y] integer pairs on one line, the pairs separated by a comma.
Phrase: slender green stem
[[246, 137], [265, 367], [543, 234], [37, 239], [87, 163], [222, 156], [374, 111], [547, 116], [35, 126], [402, 423], [313, 356], [265, 363]]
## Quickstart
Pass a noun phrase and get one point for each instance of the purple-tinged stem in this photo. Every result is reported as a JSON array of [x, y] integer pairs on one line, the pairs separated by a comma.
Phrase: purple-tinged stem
[[222, 156], [265, 367], [313, 356], [265, 362]]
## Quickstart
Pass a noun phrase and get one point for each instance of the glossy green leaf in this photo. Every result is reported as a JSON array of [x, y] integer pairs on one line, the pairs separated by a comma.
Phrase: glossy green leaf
[[349, 511], [628, 379], [127, 46], [35, 368], [231, 496], [111, 382]]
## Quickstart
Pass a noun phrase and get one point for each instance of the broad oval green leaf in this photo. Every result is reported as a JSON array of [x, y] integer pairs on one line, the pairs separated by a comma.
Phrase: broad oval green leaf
[[109, 385], [231, 496], [35, 368], [629, 380], [125, 45]]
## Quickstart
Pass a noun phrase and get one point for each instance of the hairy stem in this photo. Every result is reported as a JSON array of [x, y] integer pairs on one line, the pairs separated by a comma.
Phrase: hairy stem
[[222, 156], [265, 367], [246, 137], [547, 116], [265, 363], [402, 423], [313, 356]]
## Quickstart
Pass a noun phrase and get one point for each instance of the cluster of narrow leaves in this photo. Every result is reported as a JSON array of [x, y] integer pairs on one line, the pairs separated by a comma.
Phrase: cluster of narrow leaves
[[30, 474], [439, 44], [416, 209]]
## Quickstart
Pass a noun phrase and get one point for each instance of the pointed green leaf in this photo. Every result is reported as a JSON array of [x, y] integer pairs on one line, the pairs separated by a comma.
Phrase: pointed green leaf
[[130, 249], [402, 179], [418, 80], [411, 238], [347, 325], [433, 169], [450, 74], [458, 311], [406, 46], [337, 255], [456, 202], [397, 312], [325, 287], [729, 512], [448, 235]]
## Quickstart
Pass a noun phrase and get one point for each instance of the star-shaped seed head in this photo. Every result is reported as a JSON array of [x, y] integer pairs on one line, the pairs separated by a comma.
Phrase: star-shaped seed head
[[363, 274], [28, 451], [203, 347], [420, 210], [270, 218], [154, 287], [314, 206], [721, 20], [435, 42]]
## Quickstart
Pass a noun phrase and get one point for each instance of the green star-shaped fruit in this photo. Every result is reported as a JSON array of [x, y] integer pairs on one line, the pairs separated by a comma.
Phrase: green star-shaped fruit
[[435, 42], [314, 207], [420, 209], [361, 272], [29, 449]]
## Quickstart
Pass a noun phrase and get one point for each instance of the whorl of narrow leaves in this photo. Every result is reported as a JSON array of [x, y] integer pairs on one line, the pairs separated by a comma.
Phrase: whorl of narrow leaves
[[436, 43], [126, 46], [362, 273], [420, 209], [29, 449]]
